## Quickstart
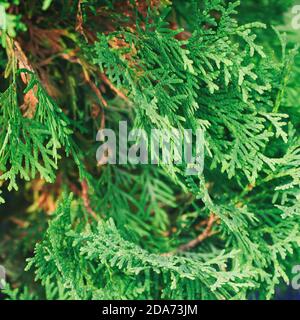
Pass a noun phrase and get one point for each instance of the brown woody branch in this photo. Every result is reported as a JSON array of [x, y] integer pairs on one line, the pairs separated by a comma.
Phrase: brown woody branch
[[86, 200], [113, 88], [208, 232]]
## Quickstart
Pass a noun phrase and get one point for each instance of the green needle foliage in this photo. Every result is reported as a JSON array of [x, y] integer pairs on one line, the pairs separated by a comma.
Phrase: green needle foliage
[[82, 230]]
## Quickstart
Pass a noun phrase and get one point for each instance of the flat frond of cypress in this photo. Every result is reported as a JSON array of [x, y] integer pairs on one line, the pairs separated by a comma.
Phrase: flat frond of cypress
[[146, 231]]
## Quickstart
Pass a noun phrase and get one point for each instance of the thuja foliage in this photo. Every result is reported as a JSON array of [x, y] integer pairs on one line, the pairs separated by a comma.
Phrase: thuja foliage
[[75, 229]]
